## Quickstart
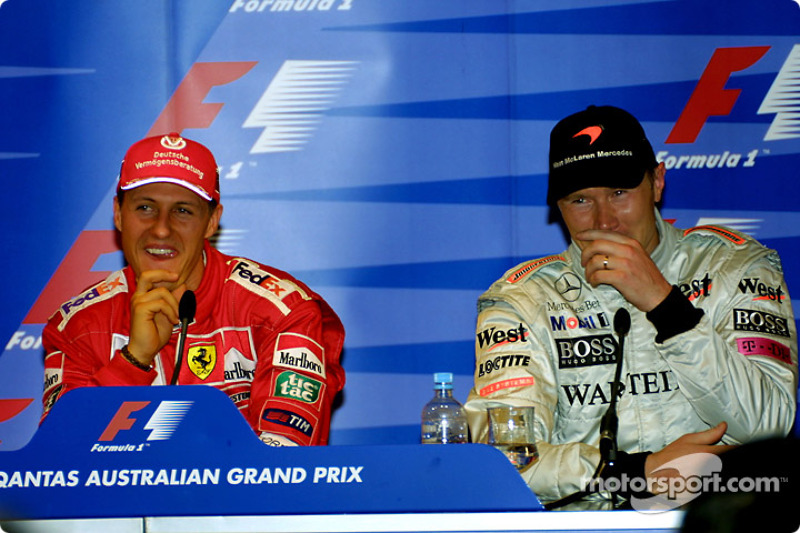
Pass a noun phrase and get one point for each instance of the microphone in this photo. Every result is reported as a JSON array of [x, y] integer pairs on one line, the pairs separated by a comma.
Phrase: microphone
[[610, 422], [186, 309]]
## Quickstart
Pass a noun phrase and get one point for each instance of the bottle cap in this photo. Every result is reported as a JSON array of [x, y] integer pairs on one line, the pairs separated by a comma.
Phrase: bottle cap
[[443, 380]]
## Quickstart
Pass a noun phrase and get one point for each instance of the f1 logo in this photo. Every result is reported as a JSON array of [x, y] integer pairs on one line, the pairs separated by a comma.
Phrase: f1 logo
[[162, 423], [712, 98]]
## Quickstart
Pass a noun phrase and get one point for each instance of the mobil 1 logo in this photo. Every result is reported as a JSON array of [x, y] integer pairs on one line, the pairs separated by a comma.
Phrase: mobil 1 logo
[[586, 351]]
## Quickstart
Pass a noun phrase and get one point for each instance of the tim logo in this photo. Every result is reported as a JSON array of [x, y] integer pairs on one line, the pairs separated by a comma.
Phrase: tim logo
[[161, 424]]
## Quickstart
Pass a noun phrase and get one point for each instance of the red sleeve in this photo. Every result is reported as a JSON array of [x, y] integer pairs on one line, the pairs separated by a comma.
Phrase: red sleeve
[[298, 374], [82, 360]]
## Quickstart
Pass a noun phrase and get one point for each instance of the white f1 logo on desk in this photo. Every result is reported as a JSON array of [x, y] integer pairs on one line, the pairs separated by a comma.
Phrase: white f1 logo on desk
[[162, 423]]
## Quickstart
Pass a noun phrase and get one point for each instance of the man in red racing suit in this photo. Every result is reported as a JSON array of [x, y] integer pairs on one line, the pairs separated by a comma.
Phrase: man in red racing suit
[[259, 335]]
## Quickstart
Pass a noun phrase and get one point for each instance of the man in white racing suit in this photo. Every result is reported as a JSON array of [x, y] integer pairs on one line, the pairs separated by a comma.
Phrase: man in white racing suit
[[711, 357]]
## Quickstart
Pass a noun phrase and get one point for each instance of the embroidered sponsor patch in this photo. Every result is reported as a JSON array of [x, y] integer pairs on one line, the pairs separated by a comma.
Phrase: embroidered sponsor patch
[[527, 268], [760, 322], [102, 291], [288, 419], [202, 360], [238, 367], [297, 387], [500, 362], [299, 352], [492, 337], [506, 384], [768, 347], [257, 280], [586, 351], [722, 232]]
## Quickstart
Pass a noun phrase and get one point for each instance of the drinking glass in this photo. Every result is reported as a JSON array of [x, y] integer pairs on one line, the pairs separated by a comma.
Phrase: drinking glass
[[511, 432]]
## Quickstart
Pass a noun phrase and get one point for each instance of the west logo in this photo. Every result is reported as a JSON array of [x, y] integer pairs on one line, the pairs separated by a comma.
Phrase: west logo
[[162, 424], [493, 337], [696, 288], [761, 290]]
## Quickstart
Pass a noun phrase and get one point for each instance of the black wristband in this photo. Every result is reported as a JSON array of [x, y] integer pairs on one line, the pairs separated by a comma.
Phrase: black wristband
[[629, 471], [674, 315], [132, 360]]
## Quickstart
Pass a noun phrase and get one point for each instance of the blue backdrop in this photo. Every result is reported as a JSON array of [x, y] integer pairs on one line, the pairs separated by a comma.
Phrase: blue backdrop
[[392, 153]]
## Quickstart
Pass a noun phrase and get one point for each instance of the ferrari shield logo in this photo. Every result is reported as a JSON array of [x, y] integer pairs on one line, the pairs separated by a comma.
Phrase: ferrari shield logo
[[202, 360]]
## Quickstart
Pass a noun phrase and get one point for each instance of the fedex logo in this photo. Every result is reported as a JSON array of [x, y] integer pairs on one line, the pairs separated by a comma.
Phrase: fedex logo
[[161, 424], [96, 293], [711, 98]]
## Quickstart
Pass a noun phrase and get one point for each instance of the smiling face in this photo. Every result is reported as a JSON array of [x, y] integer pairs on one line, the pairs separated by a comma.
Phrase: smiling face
[[163, 227], [625, 211]]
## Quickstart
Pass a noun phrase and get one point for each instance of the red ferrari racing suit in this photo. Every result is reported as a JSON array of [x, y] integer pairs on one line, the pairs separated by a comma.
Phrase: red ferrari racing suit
[[259, 335], [545, 338]]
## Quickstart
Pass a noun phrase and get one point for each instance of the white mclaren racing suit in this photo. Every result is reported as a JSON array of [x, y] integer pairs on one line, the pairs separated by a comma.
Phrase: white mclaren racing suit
[[545, 339]]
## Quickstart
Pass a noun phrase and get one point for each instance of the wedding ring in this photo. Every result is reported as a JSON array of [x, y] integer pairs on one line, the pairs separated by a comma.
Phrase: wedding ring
[[605, 263]]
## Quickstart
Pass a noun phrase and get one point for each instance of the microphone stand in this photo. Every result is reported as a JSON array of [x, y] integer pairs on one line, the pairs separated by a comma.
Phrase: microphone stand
[[186, 309], [608, 424]]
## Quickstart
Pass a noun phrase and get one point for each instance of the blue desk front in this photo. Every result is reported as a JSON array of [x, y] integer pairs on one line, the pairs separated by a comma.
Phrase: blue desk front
[[141, 457]]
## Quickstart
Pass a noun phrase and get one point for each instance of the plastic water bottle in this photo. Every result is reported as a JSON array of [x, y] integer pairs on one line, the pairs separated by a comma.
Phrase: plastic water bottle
[[444, 420]]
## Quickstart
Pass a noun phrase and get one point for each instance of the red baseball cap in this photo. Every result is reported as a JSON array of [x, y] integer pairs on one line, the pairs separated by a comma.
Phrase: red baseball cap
[[170, 159]]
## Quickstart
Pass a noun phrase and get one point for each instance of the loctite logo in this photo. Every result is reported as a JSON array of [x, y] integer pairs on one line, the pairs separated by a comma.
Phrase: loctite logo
[[503, 361]]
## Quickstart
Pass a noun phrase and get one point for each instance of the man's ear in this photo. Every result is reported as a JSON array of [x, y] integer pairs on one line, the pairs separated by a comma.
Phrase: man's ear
[[213, 222], [117, 215]]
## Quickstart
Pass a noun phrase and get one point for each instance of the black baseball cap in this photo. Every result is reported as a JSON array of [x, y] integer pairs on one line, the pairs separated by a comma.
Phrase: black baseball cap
[[602, 146]]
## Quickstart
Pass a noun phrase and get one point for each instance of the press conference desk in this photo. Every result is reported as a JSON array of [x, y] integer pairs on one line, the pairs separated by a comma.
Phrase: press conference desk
[[182, 459], [556, 521]]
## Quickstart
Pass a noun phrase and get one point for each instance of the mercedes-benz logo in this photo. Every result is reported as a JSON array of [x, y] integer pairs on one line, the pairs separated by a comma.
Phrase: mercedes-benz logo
[[569, 286]]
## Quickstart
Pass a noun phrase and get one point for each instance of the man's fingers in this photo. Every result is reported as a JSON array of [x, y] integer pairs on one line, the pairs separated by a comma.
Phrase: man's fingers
[[711, 435], [148, 279]]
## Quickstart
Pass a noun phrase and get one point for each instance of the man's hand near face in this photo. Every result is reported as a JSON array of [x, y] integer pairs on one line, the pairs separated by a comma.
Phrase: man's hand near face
[[154, 312], [620, 261]]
